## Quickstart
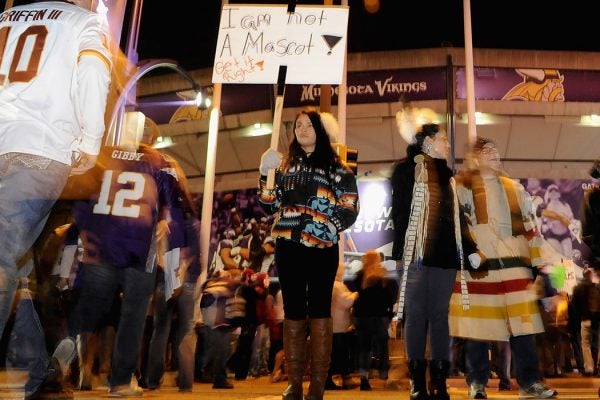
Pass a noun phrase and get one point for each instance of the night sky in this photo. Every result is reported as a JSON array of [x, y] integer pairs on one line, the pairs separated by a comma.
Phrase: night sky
[[400, 24], [186, 30]]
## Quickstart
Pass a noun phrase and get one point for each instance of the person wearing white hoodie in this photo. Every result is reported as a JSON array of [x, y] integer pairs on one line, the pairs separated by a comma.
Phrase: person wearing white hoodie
[[341, 314]]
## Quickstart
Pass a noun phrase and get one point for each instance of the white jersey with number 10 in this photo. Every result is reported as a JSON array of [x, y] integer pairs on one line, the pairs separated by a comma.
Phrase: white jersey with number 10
[[54, 75]]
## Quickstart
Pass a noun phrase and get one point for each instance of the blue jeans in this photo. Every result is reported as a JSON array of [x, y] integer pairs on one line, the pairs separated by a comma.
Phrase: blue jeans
[[29, 187], [99, 285], [501, 351], [427, 301], [185, 341], [27, 346], [524, 355]]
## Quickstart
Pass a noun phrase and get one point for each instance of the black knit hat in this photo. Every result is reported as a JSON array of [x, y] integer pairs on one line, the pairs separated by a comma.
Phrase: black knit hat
[[595, 171]]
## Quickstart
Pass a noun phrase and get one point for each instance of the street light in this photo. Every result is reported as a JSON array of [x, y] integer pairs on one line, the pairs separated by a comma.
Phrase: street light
[[203, 98], [200, 97]]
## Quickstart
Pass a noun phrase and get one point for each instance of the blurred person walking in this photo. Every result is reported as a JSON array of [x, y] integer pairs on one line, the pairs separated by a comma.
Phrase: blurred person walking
[[590, 216], [590, 222], [586, 304], [51, 126], [181, 303], [217, 327], [315, 198], [372, 316], [133, 207], [342, 301]]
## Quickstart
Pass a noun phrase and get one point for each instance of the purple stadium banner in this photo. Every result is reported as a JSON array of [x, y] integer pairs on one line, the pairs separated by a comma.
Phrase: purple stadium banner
[[385, 86], [363, 87], [531, 84]]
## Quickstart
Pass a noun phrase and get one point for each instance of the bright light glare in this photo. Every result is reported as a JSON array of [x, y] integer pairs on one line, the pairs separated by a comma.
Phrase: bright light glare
[[198, 100], [163, 142], [372, 199], [259, 129], [483, 118], [590, 120]]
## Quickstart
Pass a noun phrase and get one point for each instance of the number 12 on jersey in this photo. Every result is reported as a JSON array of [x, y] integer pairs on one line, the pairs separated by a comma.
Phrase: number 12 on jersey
[[119, 207]]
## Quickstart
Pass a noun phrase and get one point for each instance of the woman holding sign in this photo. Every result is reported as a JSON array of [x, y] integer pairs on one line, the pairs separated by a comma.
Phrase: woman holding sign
[[315, 198]]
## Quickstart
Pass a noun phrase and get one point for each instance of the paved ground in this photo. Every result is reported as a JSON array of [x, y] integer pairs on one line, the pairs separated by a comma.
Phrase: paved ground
[[573, 387]]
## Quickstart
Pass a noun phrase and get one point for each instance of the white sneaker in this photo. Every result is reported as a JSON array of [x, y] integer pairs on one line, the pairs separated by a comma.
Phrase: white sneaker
[[65, 353], [537, 391], [131, 390], [477, 391]]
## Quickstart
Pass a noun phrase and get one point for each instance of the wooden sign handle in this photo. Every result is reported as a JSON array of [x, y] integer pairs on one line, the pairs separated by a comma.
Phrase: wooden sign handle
[[277, 120]]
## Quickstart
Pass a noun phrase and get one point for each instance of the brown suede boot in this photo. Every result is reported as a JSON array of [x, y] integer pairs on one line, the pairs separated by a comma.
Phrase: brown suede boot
[[294, 347], [320, 352]]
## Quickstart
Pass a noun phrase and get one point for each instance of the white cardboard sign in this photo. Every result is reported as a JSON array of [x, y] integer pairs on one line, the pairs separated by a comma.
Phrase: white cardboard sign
[[254, 40]]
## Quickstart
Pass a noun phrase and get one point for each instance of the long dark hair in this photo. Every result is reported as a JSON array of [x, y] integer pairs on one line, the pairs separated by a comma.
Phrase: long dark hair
[[323, 156]]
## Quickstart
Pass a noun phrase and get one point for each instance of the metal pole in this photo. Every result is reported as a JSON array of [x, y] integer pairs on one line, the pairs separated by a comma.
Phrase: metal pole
[[209, 182], [209, 179], [472, 128], [325, 98], [450, 110], [342, 93], [134, 32], [132, 56]]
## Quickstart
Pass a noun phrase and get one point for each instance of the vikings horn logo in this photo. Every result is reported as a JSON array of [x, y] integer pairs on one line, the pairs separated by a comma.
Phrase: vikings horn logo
[[538, 85]]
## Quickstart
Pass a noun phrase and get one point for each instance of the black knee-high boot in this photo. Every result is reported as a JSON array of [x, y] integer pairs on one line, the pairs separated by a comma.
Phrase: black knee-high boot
[[418, 387], [438, 372]]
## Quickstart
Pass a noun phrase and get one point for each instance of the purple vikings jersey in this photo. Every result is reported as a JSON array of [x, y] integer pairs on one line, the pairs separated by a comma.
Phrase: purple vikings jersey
[[117, 224]]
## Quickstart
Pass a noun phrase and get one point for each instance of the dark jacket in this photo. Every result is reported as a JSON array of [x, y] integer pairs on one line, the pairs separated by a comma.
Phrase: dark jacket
[[440, 246], [586, 299], [590, 223], [376, 300]]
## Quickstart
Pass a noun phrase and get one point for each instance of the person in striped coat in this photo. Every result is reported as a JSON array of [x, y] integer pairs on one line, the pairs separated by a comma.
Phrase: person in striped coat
[[503, 306]]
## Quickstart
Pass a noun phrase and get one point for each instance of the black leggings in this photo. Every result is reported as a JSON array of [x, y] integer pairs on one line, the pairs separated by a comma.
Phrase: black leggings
[[306, 275]]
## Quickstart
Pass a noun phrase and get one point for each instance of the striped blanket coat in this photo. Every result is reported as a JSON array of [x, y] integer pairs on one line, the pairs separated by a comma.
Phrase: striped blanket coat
[[503, 302]]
